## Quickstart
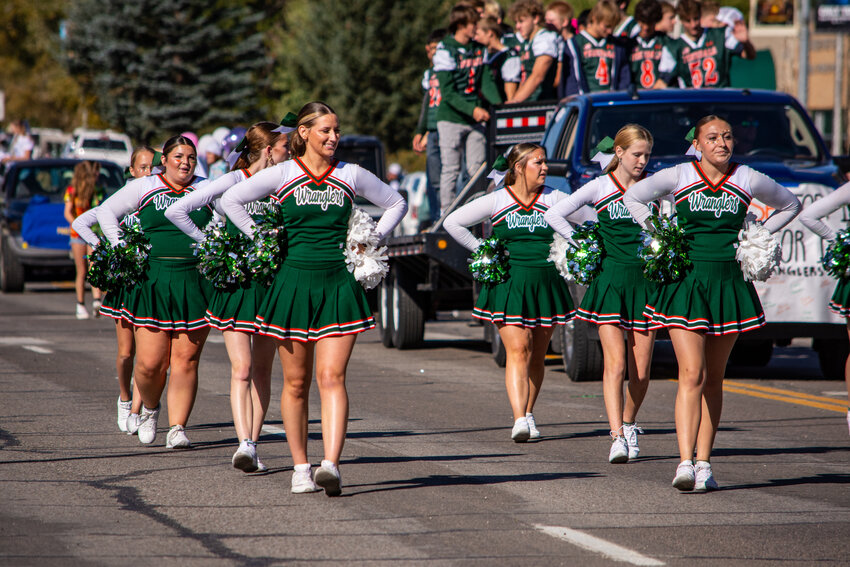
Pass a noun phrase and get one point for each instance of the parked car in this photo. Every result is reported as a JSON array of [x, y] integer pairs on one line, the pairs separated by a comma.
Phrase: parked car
[[418, 213], [100, 145], [34, 235], [49, 142]]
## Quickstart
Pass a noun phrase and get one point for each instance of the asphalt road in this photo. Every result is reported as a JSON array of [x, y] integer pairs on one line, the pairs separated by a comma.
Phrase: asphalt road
[[430, 475]]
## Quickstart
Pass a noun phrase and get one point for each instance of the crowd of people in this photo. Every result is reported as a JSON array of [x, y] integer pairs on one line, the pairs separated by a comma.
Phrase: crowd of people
[[314, 308], [479, 61]]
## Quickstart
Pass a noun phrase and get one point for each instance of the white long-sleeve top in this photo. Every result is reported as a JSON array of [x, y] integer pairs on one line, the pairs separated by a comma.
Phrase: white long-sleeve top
[[820, 208], [178, 212], [712, 214], [315, 209], [82, 226]]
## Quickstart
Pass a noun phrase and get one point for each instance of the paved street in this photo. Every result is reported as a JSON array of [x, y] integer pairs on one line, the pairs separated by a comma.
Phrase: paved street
[[429, 473]]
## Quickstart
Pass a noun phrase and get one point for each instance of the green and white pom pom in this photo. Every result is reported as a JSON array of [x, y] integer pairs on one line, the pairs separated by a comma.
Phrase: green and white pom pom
[[584, 261], [836, 257], [223, 257], [363, 257], [758, 251], [489, 262], [664, 251], [124, 265], [268, 250]]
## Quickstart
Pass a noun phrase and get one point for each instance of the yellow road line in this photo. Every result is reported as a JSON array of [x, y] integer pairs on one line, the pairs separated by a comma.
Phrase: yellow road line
[[789, 400], [783, 392]]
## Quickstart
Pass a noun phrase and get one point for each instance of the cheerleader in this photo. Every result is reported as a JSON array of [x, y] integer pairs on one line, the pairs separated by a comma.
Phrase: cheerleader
[[314, 307], [167, 307], [616, 298], [811, 215], [128, 405], [706, 310], [251, 356], [526, 307]]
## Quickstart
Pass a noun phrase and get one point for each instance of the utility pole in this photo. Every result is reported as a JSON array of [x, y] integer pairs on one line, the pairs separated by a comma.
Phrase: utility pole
[[803, 80]]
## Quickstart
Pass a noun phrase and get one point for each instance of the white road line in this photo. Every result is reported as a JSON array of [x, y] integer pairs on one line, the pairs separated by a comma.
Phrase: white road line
[[597, 545], [217, 338], [436, 336], [835, 393], [18, 341], [272, 430], [38, 349]]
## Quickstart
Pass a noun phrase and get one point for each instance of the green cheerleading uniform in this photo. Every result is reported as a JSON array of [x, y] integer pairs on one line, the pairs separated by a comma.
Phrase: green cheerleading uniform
[[172, 296], [619, 294], [313, 296], [534, 294], [236, 310], [713, 295]]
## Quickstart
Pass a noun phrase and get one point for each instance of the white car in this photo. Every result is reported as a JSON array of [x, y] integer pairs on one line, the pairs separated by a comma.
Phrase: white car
[[415, 184], [101, 145]]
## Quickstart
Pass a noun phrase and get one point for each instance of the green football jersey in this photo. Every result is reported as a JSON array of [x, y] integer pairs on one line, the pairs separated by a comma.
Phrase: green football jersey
[[544, 42], [465, 80], [651, 60], [705, 63], [594, 59]]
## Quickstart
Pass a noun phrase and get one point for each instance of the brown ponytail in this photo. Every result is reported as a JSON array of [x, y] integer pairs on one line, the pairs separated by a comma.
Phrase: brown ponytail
[[626, 136], [518, 155], [258, 138]]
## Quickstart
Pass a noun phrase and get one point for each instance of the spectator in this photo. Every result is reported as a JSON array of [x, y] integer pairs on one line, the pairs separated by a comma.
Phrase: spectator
[[668, 18], [504, 63], [22, 143], [653, 65], [704, 55], [592, 60], [466, 85], [427, 139], [626, 27], [83, 194], [538, 53], [394, 176], [581, 21], [558, 17], [709, 9]]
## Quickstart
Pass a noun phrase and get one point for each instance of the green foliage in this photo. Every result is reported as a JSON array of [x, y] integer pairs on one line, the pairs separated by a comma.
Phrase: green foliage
[[36, 85], [363, 57], [160, 68]]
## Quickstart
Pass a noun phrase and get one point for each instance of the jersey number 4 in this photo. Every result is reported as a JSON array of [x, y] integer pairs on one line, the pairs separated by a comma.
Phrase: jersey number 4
[[703, 72], [601, 75]]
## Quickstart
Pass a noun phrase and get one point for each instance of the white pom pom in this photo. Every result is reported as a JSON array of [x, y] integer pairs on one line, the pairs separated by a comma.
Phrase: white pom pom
[[363, 258], [558, 255], [758, 251]]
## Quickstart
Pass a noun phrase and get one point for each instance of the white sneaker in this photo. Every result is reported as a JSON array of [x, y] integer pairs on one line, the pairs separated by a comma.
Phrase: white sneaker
[[245, 457], [147, 424], [684, 476], [82, 313], [521, 432], [95, 307], [704, 478], [327, 477], [630, 432], [848, 419], [619, 452], [260, 466], [176, 438], [533, 432], [124, 409], [133, 422], [302, 480]]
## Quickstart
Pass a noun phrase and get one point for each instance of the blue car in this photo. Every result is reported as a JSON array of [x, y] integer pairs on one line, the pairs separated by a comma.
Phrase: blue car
[[34, 235]]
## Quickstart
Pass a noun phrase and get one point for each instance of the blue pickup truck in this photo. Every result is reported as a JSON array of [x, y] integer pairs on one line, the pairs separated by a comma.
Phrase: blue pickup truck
[[428, 271], [774, 135]]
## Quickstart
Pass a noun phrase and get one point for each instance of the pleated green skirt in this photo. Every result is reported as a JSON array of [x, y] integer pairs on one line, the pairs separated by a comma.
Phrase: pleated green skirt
[[618, 296], [840, 302], [712, 297], [112, 303], [308, 303], [530, 297], [174, 297], [236, 310]]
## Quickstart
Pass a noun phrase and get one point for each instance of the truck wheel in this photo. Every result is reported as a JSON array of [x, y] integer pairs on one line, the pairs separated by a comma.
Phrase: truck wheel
[[385, 325], [832, 355], [407, 318], [497, 347], [748, 352], [582, 355], [11, 270]]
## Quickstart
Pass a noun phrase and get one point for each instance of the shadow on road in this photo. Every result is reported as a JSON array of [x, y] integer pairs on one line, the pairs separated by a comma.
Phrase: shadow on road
[[436, 481]]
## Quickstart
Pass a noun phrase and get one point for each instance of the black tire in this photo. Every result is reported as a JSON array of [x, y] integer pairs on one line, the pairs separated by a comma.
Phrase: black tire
[[11, 270], [582, 355], [747, 352], [385, 325], [408, 318], [497, 347], [832, 355]]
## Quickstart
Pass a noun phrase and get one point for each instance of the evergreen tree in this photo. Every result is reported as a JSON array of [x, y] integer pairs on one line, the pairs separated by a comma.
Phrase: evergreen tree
[[157, 68], [363, 57]]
